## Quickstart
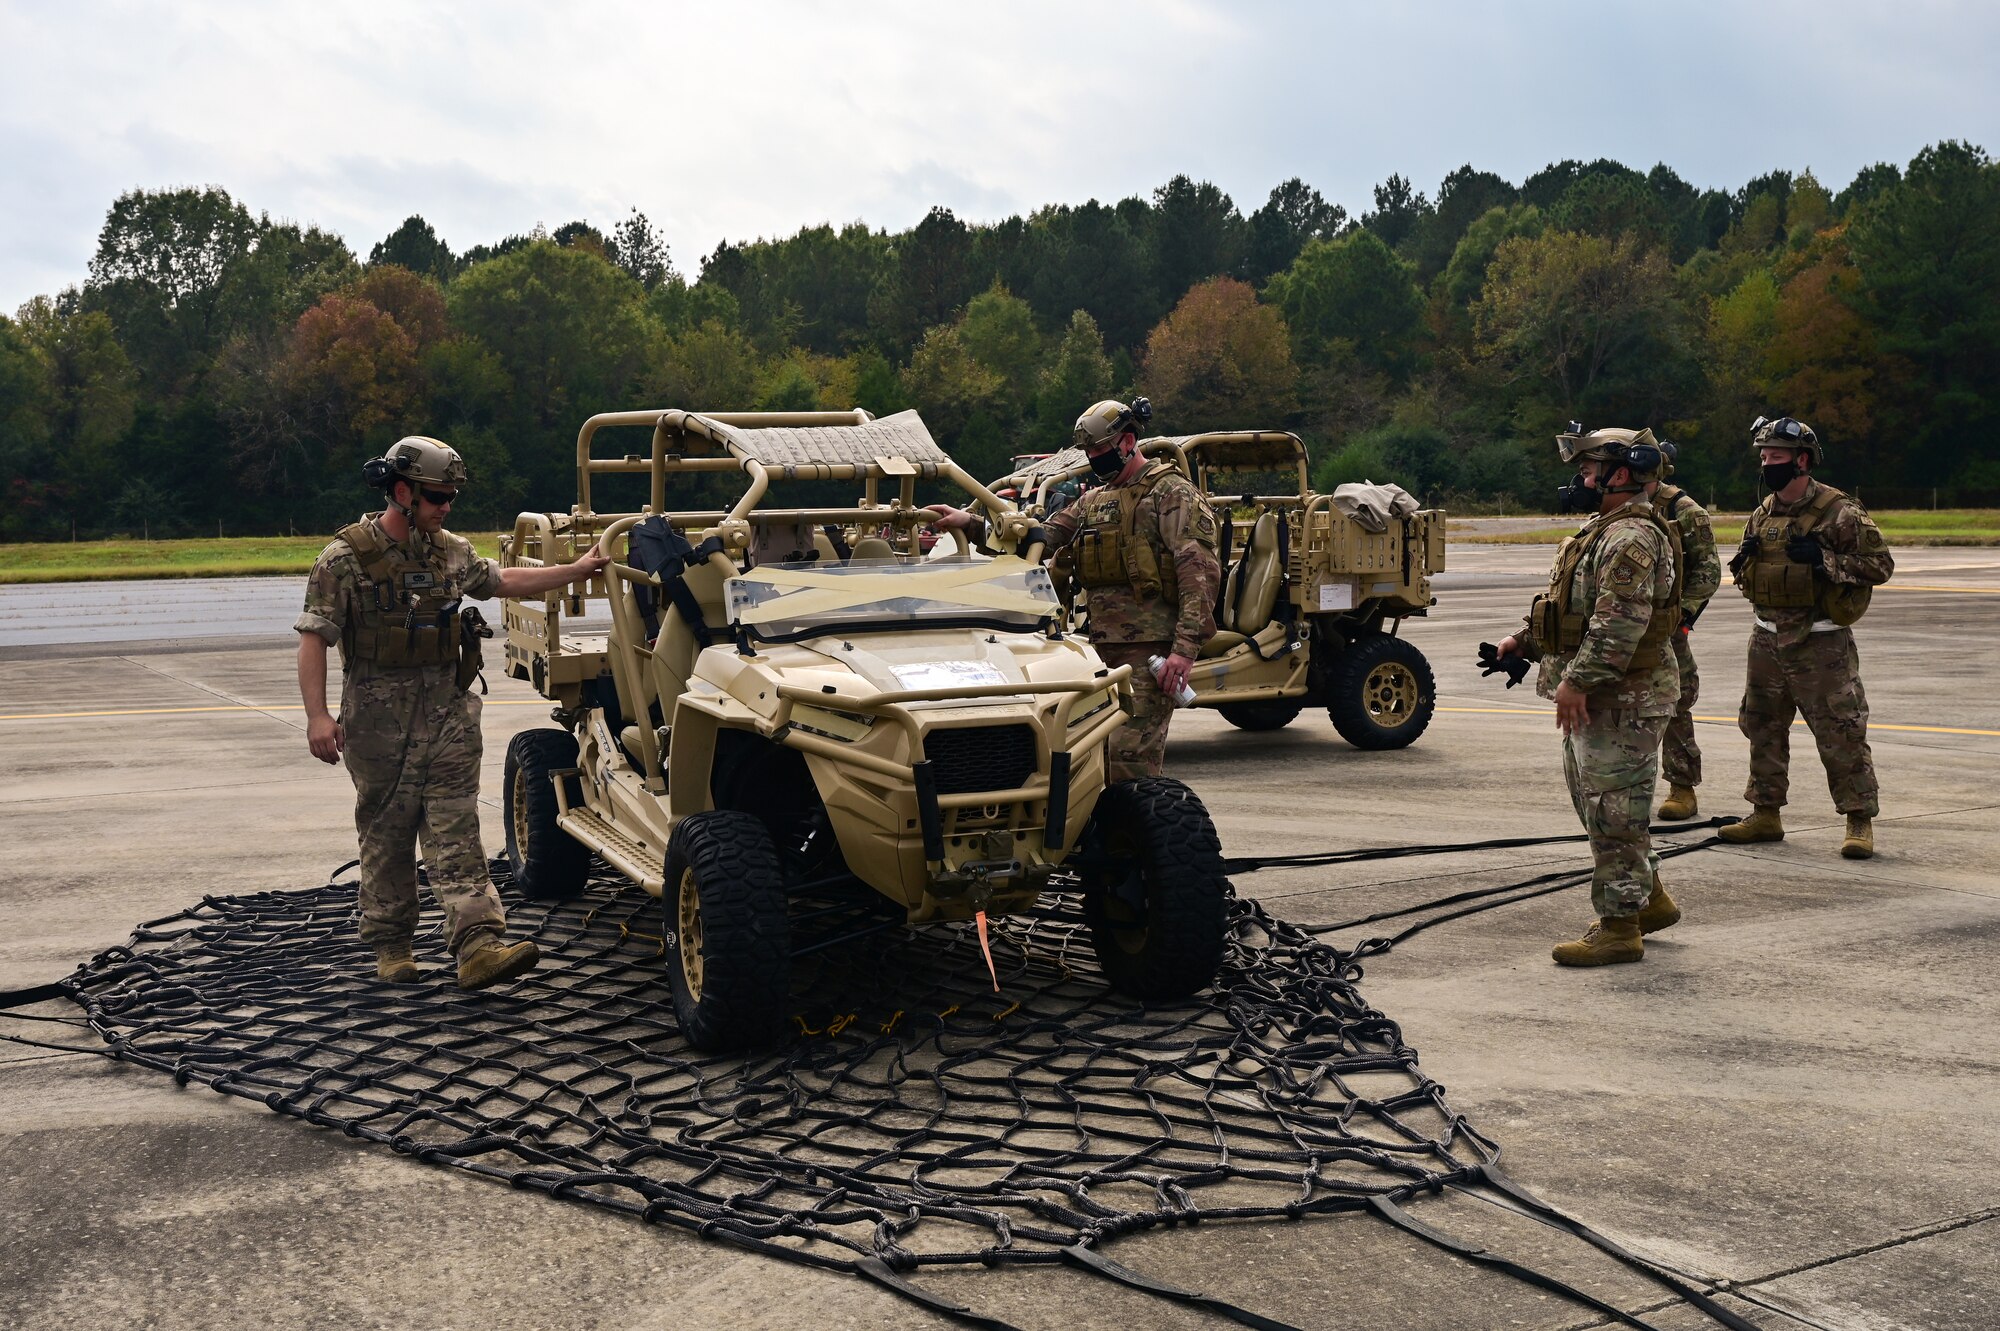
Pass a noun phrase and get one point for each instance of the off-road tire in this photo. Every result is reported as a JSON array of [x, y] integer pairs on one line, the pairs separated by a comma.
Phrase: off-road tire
[[548, 863], [729, 958], [1264, 714], [1155, 830], [1381, 694]]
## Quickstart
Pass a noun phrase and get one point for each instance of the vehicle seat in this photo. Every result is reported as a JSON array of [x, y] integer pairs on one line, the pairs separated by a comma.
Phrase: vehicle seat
[[1250, 590], [677, 646], [873, 547]]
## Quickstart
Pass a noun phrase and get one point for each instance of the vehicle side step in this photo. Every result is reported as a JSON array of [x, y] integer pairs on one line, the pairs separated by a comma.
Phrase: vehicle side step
[[621, 852]]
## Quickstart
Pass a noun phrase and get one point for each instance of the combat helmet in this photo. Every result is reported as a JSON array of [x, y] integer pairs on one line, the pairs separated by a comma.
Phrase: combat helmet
[[418, 459], [1634, 449], [1109, 419], [1784, 432]]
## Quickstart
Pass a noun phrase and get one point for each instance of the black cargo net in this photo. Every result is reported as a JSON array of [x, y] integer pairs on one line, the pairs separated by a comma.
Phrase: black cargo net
[[916, 1118]]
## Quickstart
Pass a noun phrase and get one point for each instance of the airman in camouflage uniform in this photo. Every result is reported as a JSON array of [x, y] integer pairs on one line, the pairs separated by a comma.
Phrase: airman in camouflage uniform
[[1601, 634], [387, 590], [1143, 545], [1809, 556], [1701, 566]]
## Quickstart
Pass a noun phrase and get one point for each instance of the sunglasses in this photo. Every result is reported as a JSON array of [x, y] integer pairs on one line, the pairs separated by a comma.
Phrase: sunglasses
[[438, 498]]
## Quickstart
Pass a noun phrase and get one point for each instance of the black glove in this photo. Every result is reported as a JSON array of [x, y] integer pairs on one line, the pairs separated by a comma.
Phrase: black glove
[[1515, 667], [1744, 553], [1806, 550]]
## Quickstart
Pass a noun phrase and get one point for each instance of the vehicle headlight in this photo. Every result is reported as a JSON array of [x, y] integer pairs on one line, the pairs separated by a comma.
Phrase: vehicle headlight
[[1090, 706], [829, 723]]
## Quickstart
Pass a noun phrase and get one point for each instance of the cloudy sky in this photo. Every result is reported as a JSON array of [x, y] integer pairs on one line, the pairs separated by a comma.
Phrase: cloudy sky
[[733, 121]]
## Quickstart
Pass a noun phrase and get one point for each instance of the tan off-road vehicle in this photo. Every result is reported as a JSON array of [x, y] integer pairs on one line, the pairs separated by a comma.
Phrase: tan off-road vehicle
[[1311, 598], [792, 713]]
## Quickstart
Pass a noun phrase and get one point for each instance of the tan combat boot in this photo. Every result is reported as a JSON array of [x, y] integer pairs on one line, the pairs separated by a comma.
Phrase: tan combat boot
[[487, 960], [394, 963], [1763, 825], [1679, 805], [1860, 842], [1660, 911], [1606, 943]]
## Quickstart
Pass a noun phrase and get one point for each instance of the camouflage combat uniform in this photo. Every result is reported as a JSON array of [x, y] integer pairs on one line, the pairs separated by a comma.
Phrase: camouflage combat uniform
[[1701, 567], [1153, 598], [1603, 627], [1801, 661], [412, 748]]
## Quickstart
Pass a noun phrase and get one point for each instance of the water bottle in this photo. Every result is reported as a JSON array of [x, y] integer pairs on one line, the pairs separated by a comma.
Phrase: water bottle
[[1181, 697]]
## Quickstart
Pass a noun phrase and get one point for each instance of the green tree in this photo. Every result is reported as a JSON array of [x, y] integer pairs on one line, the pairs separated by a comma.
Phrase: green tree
[[999, 333], [26, 403], [1604, 204], [933, 276], [1356, 293], [1198, 234], [948, 385], [415, 246], [1399, 211], [1294, 214], [89, 398], [1465, 274], [709, 368], [638, 247], [570, 330], [789, 386], [1463, 198], [162, 261], [1928, 252], [1077, 375]]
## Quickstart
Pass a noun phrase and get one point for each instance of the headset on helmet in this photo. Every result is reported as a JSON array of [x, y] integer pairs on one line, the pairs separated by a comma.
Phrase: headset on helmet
[[1637, 450], [418, 459]]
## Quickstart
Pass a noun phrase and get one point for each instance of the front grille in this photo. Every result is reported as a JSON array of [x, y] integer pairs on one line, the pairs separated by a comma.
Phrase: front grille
[[981, 758]]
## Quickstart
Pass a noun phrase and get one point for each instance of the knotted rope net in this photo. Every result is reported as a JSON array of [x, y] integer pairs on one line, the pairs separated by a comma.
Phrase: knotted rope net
[[916, 1118]]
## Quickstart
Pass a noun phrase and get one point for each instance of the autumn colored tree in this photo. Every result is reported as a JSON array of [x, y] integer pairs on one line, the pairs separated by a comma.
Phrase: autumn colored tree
[[1220, 360]]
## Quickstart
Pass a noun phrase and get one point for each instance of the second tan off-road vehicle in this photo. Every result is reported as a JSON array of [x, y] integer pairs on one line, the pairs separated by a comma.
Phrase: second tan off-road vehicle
[[793, 719], [1311, 598]]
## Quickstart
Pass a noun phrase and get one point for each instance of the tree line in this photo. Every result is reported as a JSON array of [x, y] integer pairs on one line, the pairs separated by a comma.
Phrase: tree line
[[221, 370]]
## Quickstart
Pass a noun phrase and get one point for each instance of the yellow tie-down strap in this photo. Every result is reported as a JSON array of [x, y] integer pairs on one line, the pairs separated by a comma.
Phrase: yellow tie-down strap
[[810, 593]]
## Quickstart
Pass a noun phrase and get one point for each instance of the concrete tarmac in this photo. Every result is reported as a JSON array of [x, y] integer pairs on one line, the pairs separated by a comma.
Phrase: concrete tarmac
[[1795, 1093]]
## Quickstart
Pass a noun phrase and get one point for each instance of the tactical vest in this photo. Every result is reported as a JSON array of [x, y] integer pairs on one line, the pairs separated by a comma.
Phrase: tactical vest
[[407, 611], [1109, 551], [1773, 581], [1560, 627]]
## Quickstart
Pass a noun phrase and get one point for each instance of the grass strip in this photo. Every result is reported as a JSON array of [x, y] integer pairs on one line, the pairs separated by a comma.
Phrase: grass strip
[[203, 557]]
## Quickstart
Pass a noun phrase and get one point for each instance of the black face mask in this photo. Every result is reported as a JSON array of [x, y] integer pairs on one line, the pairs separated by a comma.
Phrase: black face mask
[[1578, 497], [1778, 475], [1108, 463]]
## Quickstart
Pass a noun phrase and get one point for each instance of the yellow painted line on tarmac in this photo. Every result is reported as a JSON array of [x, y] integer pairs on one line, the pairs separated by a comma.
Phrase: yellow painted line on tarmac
[[1932, 587], [1729, 720], [233, 707]]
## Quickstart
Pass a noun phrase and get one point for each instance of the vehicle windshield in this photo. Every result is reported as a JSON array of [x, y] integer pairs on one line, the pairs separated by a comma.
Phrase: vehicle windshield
[[787, 602]]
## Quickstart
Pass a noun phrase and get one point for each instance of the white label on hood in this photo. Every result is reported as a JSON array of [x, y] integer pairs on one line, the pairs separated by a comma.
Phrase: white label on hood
[[947, 674]]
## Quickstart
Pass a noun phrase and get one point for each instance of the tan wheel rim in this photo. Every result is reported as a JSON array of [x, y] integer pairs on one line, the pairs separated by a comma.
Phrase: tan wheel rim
[[690, 934], [520, 811], [1390, 694]]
